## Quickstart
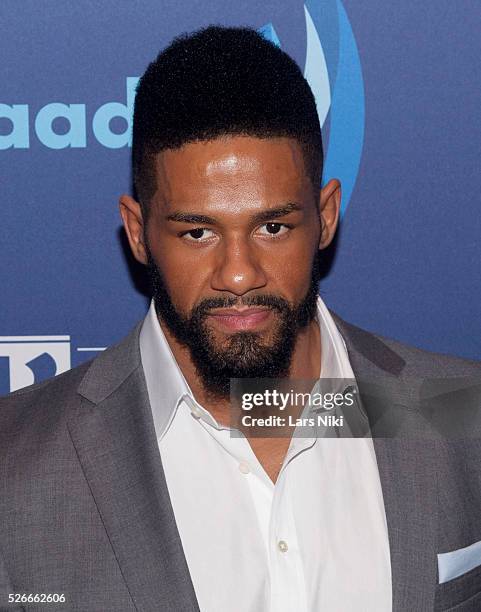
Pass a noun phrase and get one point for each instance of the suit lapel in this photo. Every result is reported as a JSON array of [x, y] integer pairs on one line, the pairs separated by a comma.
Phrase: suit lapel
[[114, 436], [407, 470]]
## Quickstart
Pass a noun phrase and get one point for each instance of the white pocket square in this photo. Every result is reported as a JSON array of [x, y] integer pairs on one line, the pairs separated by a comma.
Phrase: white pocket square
[[458, 562]]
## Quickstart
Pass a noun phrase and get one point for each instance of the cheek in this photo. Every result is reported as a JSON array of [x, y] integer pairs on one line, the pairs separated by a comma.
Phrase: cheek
[[181, 271], [291, 268], [184, 277]]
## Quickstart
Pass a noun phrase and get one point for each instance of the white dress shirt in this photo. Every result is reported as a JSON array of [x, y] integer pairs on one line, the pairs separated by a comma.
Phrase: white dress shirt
[[315, 541]]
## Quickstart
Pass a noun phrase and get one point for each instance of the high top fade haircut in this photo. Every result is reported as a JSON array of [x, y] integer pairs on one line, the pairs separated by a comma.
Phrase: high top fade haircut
[[221, 81]]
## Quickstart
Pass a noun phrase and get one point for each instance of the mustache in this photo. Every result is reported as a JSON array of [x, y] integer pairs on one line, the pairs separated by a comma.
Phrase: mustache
[[273, 302]]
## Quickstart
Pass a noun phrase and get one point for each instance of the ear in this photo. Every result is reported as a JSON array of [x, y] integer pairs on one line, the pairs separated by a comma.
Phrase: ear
[[131, 213], [329, 207]]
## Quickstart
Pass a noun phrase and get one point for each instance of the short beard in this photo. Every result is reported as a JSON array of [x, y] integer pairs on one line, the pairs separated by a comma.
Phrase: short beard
[[243, 354]]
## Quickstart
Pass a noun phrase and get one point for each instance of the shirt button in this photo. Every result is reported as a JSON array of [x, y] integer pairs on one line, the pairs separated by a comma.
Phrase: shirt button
[[282, 546], [195, 411], [244, 467]]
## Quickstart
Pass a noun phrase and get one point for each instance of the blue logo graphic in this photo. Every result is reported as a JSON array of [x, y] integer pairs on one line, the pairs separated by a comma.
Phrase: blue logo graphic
[[332, 68], [4, 375], [43, 367], [40, 367], [26, 360], [19, 118]]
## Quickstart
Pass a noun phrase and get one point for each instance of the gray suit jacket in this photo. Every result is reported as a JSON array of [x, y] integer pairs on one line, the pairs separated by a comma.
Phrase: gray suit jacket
[[85, 510]]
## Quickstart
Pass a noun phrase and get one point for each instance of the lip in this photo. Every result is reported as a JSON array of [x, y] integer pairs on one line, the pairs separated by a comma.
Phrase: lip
[[240, 319]]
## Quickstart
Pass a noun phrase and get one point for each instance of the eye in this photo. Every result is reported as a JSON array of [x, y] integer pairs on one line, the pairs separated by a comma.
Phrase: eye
[[275, 229], [198, 234]]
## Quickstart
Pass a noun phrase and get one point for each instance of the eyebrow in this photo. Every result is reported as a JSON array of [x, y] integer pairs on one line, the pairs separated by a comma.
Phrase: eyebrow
[[264, 215]]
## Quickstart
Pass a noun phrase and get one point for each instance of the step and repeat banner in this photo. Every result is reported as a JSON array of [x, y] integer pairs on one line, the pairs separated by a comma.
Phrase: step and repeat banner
[[398, 91]]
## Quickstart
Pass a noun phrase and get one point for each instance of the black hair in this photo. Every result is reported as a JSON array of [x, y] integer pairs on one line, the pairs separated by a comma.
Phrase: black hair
[[215, 82]]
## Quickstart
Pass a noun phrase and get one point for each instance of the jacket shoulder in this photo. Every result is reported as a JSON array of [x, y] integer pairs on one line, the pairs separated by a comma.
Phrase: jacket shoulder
[[48, 403], [429, 363], [411, 360], [45, 400]]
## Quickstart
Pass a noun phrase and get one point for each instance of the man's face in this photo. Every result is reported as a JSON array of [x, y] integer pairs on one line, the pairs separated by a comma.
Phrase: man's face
[[234, 224]]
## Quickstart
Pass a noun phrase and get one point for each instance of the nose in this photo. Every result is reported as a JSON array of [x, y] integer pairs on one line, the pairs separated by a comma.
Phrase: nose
[[238, 269]]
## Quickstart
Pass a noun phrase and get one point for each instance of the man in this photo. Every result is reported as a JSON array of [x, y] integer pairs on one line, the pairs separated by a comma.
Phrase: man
[[124, 483]]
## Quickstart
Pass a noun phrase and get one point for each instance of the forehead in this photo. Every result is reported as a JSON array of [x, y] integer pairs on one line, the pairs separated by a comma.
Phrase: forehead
[[228, 166]]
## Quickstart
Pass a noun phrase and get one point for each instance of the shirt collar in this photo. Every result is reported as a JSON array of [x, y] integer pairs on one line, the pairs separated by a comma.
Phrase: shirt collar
[[167, 386]]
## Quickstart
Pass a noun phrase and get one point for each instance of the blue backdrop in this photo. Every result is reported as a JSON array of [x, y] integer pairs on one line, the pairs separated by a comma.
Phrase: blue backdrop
[[398, 88]]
